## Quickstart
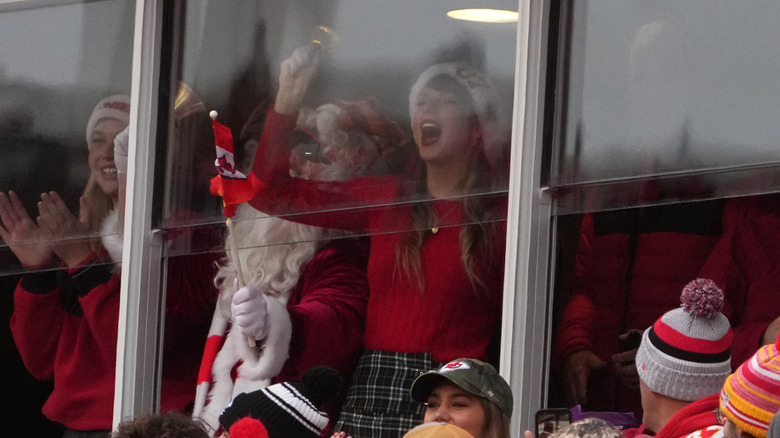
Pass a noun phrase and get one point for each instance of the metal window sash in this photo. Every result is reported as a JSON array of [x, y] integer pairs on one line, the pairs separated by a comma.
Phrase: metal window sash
[[140, 337], [524, 345]]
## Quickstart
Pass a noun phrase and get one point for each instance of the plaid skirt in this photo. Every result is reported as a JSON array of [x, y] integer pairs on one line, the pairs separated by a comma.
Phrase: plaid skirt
[[378, 403]]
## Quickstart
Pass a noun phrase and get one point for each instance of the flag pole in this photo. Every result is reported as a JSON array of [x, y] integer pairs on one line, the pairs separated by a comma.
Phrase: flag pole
[[233, 255], [232, 252]]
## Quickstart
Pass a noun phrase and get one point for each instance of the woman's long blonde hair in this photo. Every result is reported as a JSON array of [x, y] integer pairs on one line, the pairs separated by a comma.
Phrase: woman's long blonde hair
[[99, 205], [496, 423]]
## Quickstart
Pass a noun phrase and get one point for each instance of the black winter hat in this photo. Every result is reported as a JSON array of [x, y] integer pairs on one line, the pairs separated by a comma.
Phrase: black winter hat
[[289, 409]]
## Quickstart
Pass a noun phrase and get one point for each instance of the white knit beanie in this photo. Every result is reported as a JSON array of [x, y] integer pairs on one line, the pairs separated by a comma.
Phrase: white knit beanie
[[111, 107], [686, 354], [495, 130]]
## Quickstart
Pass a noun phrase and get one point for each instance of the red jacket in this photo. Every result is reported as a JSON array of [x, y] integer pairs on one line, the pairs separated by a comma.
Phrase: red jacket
[[742, 261], [65, 328], [631, 268], [696, 420], [328, 309]]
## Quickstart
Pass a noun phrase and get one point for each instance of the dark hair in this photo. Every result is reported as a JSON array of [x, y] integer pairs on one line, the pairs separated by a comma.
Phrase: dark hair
[[172, 424]]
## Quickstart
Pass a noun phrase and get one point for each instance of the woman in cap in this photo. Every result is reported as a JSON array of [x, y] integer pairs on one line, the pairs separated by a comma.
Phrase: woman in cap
[[468, 393]]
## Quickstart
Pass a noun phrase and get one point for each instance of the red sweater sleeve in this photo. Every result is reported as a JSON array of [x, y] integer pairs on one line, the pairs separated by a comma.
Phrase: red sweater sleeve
[[329, 313], [101, 313], [35, 321], [272, 163]]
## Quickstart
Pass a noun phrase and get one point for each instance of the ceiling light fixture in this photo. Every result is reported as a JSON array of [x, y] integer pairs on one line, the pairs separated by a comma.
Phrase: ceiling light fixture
[[484, 15]]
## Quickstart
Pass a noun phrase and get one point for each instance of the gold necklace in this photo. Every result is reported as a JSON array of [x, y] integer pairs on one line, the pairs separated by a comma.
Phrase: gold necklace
[[435, 228]]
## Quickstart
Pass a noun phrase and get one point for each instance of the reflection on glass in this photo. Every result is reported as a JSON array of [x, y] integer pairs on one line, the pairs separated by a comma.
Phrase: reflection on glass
[[58, 184], [396, 134], [631, 266], [357, 64], [656, 89]]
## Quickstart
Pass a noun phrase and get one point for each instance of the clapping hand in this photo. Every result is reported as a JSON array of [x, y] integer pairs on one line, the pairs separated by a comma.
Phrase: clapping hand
[[22, 234], [67, 233]]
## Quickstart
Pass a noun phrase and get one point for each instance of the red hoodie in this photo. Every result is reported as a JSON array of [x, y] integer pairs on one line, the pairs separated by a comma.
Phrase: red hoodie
[[697, 420]]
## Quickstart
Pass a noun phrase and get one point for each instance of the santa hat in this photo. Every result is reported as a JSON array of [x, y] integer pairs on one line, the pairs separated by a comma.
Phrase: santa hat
[[290, 409], [686, 354], [487, 104], [366, 115], [437, 430], [751, 396], [111, 107]]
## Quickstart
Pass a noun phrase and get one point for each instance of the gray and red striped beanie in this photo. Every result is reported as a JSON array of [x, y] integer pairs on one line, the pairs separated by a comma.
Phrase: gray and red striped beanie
[[686, 354]]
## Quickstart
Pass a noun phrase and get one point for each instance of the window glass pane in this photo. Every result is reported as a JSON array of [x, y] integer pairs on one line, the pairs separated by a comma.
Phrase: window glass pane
[[666, 123], [369, 58], [57, 61], [617, 272], [662, 88], [320, 240]]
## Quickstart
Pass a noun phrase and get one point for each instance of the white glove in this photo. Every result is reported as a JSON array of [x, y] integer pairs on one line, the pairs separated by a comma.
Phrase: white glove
[[250, 312], [303, 57], [121, 150]]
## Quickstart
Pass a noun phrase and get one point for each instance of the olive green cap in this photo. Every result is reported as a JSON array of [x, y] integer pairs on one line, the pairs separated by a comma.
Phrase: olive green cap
[[472, 375]]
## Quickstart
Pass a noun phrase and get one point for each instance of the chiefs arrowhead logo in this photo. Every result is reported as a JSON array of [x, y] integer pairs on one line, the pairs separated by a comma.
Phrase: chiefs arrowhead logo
[[454, 365], [223, 164]]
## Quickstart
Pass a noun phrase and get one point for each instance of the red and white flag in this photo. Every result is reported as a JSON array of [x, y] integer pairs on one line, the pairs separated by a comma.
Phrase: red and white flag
[[233, 186]]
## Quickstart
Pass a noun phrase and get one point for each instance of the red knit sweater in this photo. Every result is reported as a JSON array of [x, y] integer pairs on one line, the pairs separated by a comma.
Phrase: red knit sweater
[[74, 344], [450, 318], [65, 328]]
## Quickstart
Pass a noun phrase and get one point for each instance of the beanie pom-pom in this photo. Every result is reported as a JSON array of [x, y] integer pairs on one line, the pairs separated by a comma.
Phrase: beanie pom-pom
[[323, 384], [248, 427], [702, 297]]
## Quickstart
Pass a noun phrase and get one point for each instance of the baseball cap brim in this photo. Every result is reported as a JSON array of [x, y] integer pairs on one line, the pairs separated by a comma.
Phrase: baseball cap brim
[[473, 376], [424, 384]]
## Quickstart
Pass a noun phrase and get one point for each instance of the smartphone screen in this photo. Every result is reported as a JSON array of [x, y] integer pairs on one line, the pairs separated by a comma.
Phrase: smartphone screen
[[550, 420]]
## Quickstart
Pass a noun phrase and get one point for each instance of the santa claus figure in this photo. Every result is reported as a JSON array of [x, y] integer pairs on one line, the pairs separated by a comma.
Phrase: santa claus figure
[[306, 289]]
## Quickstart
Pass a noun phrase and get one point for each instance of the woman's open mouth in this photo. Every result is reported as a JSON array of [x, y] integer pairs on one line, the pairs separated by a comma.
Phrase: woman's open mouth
[[430, 133]]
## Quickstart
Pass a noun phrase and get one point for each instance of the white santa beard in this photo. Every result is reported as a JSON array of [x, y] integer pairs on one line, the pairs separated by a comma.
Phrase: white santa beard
[[273, 254]]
